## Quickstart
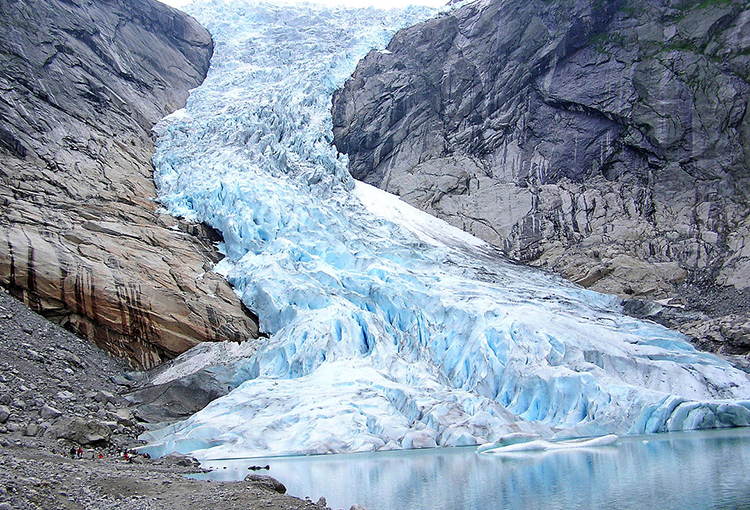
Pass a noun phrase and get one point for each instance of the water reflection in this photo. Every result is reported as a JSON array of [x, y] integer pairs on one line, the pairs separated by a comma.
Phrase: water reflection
[[687, 470]]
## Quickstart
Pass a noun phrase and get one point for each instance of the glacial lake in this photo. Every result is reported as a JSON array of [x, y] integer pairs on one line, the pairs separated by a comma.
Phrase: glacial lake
[[685, 470]]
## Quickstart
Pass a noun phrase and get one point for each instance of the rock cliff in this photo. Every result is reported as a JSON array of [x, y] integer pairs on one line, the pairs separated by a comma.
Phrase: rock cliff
[[605, 140], [82, 241]]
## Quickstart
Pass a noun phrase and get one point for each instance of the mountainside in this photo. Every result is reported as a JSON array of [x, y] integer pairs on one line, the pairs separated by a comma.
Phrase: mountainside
[[604, 140], [82, 241]]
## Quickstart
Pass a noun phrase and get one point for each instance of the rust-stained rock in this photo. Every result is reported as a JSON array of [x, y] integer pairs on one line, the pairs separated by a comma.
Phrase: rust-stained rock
[[81, 238]]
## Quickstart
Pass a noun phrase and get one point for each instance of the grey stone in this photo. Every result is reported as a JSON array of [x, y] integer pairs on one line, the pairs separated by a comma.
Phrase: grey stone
[[4, 413], [178, 459], [32, 430], [267, 482], [104, 397], [113, 426], [122, 381], [122, 416], [73, 359], [176, 399], [80, 430], [49, 413], [34, 356]]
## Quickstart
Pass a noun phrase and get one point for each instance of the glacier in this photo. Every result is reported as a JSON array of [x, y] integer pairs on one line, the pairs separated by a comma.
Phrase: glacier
[[386, 328]]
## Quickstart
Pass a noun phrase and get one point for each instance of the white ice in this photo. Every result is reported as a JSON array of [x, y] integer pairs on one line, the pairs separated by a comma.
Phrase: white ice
[[387, 328], [541, 445]]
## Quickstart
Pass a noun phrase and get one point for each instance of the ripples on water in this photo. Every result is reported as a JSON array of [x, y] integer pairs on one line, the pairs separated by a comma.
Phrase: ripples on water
[[687, 470]]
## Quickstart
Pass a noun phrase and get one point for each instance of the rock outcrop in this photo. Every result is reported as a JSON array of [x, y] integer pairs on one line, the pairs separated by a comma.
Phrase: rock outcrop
[[606, 140], [82, 83], [176, 400]]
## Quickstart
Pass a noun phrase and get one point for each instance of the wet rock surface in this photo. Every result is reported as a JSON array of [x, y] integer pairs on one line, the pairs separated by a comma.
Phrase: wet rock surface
[[81, 238], [52, 381], [603, 140]]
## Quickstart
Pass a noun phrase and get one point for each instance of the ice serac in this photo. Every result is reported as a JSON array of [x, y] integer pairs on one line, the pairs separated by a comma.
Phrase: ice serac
[[388, 328], [81, 240], [605, 140]]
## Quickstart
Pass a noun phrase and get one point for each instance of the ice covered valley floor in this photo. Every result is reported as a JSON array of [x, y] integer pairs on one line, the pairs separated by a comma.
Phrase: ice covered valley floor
[[387, 329]]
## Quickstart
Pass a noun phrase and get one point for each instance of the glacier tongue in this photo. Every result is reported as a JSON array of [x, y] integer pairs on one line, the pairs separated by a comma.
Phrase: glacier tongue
[[387, 328]]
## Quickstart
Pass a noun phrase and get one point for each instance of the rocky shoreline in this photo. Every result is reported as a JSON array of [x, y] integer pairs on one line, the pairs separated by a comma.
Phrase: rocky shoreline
[[58, 391]]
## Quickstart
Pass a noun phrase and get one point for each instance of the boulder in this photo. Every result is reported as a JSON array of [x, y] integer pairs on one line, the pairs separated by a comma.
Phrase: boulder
[[4, 413], [49, 413], [123, 417], [178, 459], [82, 240], [266, 482], [177, 399], [32, 430], [80, 430], [104, 397]]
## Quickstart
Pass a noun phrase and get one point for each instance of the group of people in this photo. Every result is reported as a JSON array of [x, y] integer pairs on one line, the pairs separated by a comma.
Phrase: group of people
[[127, 454]]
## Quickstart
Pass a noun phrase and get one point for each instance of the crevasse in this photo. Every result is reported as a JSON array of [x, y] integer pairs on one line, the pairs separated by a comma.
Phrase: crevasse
[[387, 328]]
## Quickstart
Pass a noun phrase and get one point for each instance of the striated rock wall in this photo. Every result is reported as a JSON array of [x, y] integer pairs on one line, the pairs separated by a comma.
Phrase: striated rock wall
[[82, 82], [606, 140]]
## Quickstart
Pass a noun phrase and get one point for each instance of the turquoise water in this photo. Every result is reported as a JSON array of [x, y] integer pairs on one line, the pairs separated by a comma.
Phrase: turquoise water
[[686, 470]]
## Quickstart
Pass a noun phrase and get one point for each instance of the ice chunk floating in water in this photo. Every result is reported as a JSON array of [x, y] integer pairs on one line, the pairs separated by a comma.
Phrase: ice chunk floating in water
[[387, 328]]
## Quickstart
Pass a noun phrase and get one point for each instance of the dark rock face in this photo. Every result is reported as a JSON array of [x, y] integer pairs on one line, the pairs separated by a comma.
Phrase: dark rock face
[[82, 82], [606, 140], [178, 399]]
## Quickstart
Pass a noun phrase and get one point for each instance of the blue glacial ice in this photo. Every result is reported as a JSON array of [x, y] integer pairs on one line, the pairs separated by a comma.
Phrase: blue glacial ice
[[387, 328]]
